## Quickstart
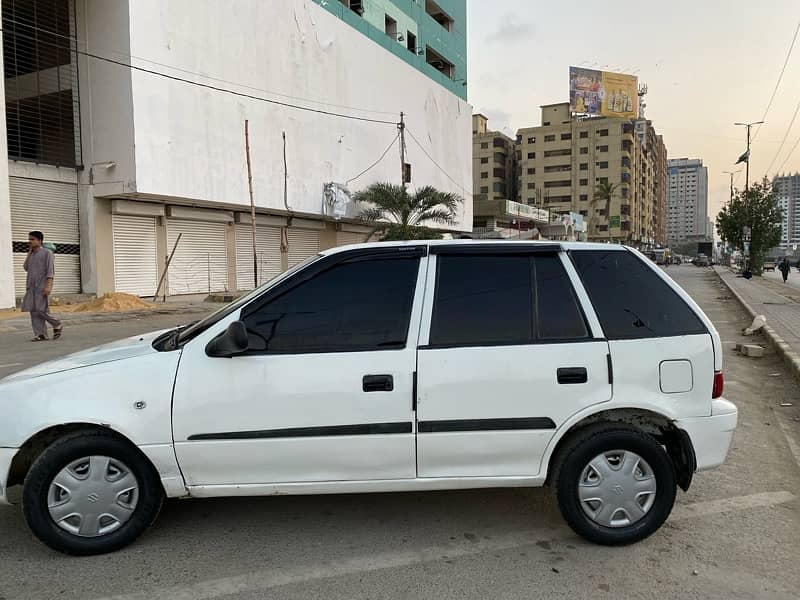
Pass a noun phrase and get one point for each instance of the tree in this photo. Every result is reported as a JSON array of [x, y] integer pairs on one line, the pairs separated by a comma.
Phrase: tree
[[398, 215], [759, 210], [604, 192]]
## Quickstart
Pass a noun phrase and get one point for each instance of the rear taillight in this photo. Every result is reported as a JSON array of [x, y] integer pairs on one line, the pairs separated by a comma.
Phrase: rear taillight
[[719, 383]]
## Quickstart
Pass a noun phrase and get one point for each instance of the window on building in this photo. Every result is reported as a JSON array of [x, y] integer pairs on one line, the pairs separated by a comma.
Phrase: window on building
[[357, 6], [499, 188], [603, 164], [439, 62], [583, 182], [560, 183], [562, 152], [566, 136], [602, 179], [584, 166], [500, 173], [484, 160], [41, 80], [603, 148], [411, 42], [585, 213], [584, 134], [390, 26], [531, 140], [484, 145], [499, 158], [531, 186], [584, 197], [532, 171], [557, 168], [531, 154], [546, 124], [584, 151], [303, 319], [550, 138], [602, 132], [485, 175], [439, 15], [631, 300], [485, 189]]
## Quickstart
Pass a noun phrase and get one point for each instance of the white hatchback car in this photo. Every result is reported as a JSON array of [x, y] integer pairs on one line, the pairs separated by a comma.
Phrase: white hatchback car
[[383, 368]]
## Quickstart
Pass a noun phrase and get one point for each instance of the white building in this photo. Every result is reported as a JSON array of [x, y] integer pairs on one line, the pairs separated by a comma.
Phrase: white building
[[113, 163], [787, 192], [687, 199]]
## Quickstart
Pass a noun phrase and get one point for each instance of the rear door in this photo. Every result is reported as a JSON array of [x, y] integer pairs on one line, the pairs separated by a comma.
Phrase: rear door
[[506, 356], [662, 352]]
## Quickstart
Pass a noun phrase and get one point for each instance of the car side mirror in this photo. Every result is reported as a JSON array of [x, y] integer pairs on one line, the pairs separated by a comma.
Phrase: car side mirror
[[232, 341]]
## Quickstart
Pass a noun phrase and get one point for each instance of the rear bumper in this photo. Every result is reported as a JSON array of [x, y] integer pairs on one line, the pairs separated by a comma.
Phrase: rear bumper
[[6, 456], [711, 436]]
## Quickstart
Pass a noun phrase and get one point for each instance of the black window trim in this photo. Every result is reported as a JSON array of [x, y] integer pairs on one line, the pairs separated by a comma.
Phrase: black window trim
[[493, 248], [326, 263]]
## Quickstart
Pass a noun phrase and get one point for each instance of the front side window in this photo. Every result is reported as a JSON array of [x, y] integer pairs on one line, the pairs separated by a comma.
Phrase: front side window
[[630, 299], [354, 306]]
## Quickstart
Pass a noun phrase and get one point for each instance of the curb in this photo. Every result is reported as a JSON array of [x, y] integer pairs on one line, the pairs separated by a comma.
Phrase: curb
[[784, 350]]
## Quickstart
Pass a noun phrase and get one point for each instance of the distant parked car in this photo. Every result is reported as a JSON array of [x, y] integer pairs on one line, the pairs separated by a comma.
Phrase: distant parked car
[[769, 264], [701, 260]]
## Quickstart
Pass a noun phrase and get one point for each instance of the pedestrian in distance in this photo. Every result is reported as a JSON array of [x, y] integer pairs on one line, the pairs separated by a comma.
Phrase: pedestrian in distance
[[784, 268], [40, 267]]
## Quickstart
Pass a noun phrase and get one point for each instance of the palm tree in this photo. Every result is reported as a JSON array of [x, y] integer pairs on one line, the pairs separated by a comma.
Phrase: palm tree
[[399, 215], [605, 191]]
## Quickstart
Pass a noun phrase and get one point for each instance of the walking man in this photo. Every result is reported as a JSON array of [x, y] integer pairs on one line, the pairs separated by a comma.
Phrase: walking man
[[784, 268], [40, 267]]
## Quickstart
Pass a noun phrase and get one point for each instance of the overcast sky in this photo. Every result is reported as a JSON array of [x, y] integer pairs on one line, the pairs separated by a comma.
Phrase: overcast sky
[[707, 63]]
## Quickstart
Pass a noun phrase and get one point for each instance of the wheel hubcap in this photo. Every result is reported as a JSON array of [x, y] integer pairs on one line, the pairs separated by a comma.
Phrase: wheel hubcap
[[617, 488], [93, 496]]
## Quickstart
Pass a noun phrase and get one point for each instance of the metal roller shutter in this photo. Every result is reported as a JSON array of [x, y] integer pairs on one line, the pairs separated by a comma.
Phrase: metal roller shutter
[[200, 264], [268, 248], [343, 238], [52, 208], [135, 254], [302, 244]]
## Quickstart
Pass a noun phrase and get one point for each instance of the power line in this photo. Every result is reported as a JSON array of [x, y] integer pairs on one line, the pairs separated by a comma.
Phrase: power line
[[780, 77], [783, 141], [385, 152], [181, 70], [220, 89], [788, 156], [446, 174]]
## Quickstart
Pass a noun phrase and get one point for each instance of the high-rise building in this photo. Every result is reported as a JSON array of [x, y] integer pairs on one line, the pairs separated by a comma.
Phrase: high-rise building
[[687, 200], [115, 162], [787, 191], [560, 163], [493, 175]]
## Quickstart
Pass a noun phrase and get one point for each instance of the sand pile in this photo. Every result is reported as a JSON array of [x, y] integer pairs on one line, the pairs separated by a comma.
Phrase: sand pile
[[111, 302]]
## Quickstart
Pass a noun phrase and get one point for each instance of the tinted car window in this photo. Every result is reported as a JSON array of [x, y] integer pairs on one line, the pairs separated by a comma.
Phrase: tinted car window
[[557, 313], [630, 299], [353, 306], [482, 300]]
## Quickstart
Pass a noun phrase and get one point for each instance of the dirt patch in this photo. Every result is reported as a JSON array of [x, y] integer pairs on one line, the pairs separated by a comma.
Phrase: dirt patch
[[111, 302]]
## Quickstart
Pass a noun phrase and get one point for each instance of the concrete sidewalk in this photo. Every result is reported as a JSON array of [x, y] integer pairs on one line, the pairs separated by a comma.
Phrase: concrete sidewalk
[[779, 303]]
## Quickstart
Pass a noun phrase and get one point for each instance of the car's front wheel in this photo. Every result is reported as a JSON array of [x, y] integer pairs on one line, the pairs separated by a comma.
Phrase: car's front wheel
[[91, 492], [615, 484]]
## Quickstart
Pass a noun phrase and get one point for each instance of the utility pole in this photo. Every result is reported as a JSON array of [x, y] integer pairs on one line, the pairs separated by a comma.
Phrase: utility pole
[[745, 158], [401, 126], [252, 203], [732, 173]]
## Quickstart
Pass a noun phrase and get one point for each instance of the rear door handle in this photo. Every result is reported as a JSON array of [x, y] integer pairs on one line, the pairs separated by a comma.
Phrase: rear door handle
[[570, 375], [377, 383]]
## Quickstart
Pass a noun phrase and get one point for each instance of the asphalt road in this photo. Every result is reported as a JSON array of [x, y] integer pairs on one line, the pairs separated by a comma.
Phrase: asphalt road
[[735, 534]]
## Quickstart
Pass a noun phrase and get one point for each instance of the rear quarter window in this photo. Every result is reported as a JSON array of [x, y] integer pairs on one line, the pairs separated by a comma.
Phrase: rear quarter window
[[631, 300]]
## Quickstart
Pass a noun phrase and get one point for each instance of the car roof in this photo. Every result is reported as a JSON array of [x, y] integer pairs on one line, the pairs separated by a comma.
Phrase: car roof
[[433, 243]]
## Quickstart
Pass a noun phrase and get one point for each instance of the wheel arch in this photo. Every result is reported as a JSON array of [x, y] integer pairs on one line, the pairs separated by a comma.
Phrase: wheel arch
[[675, 441], [37, 443]]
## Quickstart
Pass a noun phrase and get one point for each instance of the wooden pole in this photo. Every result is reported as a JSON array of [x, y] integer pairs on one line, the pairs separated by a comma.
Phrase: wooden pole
[[166, 268], [252, 203]]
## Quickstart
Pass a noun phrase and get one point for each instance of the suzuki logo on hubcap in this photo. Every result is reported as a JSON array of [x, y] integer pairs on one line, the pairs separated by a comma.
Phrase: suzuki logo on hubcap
[[618, 490], [93, 497]]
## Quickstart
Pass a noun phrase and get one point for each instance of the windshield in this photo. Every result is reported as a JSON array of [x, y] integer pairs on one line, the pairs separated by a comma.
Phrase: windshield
[[200, 326]]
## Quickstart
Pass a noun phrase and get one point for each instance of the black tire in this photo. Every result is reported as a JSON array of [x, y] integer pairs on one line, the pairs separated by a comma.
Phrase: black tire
[[73, 447], [589, 443]]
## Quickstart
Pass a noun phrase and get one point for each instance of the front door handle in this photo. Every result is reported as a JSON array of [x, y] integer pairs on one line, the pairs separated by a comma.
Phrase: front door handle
[[377, 383], [570, 375]]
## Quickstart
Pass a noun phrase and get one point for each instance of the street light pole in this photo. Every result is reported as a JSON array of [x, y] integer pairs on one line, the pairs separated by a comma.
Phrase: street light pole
[[732, 173], [747, 156], [747, 273]]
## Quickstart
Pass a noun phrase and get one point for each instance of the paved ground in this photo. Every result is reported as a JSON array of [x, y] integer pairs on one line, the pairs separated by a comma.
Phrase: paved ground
[[738, 528]]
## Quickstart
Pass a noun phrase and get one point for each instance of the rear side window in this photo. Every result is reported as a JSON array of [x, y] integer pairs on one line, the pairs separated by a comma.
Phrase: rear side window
[[504, 299], [353, 306], [631, 300]]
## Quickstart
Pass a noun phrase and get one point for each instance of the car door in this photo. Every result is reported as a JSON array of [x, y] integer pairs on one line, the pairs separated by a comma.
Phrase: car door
[[324, 391], [507, 355]]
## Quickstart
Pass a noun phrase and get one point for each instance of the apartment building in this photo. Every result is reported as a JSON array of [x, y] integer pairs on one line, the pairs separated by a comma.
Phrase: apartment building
[[787, 192], [117, 147], [687, 200], [560, 162], [493, 174]]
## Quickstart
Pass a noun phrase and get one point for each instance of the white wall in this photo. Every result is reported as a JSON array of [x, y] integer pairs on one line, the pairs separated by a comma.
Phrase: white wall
[[189, 141], [7, 298]]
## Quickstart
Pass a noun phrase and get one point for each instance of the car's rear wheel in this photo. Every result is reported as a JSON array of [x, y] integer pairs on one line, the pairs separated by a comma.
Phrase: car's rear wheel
[[91, 492], [615, 484]]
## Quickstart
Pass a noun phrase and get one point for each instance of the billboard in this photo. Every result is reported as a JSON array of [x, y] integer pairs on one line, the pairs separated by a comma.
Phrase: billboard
[[602, 93]]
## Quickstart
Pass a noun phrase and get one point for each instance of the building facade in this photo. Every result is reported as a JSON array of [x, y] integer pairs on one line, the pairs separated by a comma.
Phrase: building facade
[[125, 132], [687, 200], [560, 163], [787, 192]]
